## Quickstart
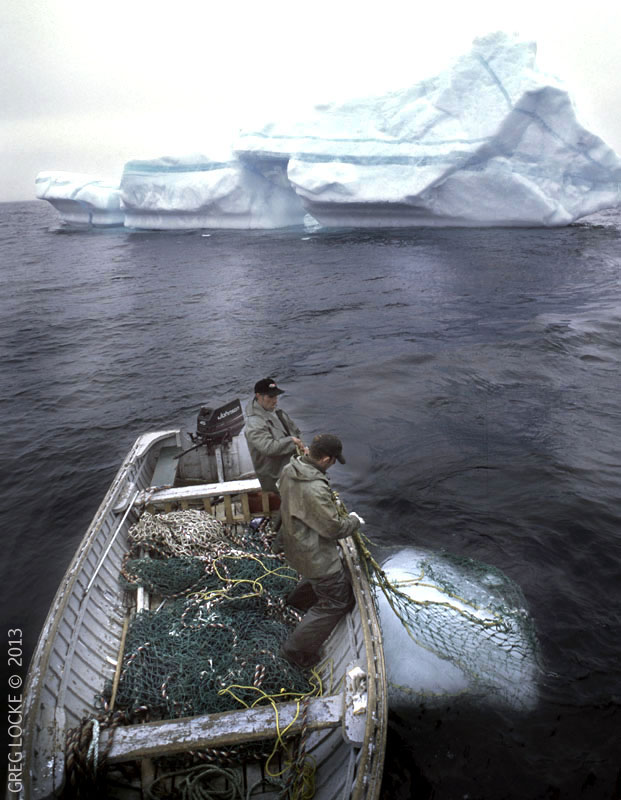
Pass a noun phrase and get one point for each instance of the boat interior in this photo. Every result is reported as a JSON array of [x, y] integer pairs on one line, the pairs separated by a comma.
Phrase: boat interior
[[329, 745]]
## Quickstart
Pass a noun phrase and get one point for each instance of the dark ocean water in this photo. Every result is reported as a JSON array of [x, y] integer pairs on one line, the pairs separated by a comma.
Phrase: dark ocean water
[[473, 375]]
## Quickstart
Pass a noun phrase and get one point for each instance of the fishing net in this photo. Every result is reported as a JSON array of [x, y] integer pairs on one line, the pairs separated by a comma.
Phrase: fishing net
[[210, 643], [180, 533], [465, 612], [168, 578], [195, 657], [213, 642]]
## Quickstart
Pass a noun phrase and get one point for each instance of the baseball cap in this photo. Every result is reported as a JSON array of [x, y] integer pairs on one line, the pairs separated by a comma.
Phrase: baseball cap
[[267, 386], [327, 444]]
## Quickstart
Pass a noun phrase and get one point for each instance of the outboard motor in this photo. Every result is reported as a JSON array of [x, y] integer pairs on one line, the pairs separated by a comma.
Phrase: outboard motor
[[217, 427], [216, 449]]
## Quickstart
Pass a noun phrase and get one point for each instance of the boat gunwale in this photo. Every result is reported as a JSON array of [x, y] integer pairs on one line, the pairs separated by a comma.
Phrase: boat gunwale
[[39, 661], [376, 723]]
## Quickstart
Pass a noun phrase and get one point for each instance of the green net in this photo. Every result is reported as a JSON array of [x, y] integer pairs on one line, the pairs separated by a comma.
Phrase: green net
[[212, 644], [185, 658], [168, 578]]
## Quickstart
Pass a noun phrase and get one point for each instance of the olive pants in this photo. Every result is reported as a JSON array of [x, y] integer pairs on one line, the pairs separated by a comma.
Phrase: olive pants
[[326, 601]]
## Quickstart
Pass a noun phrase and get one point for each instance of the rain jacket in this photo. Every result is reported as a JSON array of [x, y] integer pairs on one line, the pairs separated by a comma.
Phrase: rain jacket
[[311, 523], [269, 442]]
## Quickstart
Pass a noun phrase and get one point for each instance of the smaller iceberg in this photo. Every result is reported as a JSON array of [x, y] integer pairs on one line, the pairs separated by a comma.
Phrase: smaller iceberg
[[81, 200], [467, 633]]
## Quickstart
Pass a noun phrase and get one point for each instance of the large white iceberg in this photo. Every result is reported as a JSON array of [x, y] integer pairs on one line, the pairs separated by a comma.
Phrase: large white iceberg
[[490, 141]]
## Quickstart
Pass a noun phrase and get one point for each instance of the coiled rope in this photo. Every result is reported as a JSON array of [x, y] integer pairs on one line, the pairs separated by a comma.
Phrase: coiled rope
[[84, 764]]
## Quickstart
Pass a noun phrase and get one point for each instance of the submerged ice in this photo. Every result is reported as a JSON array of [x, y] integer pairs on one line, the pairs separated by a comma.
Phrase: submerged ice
[[467, 633], [490, 141]]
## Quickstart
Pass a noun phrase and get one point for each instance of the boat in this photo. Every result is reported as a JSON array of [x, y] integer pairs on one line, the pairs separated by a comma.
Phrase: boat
[[329, 744]]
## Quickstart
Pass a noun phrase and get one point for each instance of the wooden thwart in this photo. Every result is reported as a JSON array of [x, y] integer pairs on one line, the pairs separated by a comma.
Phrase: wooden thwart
[[231, 493], [154, 739], [201, 490]]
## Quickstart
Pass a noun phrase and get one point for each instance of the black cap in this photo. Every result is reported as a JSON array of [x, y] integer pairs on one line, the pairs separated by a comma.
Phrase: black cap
[[267, 386], [327, 444]]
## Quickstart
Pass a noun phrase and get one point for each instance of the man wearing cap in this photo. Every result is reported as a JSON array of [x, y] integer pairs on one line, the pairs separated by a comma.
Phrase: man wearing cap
[[311, 528], [272, 435]]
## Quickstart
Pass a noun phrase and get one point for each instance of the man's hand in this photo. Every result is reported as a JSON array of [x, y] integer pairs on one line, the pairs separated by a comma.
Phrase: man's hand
[[356, 516], [300, 445]]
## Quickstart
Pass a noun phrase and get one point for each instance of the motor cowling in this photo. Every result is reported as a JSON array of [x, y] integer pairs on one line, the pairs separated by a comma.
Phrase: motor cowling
[[216, 427]]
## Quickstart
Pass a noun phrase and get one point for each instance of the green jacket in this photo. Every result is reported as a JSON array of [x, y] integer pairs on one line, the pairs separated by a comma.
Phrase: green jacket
[[269, 443], [311, 523]]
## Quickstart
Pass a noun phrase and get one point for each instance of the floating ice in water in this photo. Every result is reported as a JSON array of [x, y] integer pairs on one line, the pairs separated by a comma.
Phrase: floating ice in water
[[81, 200], [198, 192], [490, 141], [468, 633], [189, 192]]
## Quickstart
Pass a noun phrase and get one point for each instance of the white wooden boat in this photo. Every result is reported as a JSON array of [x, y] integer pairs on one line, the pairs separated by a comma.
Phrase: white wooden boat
[[81, 646]]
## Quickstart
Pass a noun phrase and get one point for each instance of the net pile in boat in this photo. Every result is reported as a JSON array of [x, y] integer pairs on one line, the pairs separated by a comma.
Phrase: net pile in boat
[[212, 645], [180, 533]]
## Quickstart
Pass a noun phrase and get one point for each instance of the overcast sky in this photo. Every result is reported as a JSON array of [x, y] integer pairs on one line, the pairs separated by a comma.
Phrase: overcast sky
[[88, 86]]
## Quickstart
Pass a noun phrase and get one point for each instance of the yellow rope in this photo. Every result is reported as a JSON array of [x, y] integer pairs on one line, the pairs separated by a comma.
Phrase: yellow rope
[[317, 691], [255, 583]]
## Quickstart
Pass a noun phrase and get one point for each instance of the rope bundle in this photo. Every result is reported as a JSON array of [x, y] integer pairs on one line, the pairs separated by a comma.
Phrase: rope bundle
[[180, 533]]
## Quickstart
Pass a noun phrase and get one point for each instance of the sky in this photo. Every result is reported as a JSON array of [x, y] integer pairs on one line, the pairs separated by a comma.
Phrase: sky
[[86, 87]]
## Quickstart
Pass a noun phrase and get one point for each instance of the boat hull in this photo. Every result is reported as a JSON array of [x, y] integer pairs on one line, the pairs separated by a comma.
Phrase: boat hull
[[81, 641]]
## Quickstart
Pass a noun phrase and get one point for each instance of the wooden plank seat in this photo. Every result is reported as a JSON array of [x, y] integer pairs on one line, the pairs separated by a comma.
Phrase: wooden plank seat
[[200, 491], [206, 493], [168, 737]]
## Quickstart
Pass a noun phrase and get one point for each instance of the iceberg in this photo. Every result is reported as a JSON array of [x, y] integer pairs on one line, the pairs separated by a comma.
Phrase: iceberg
[[490, 141], [174, 193], [198, 192], [463, 632], [81, 200]]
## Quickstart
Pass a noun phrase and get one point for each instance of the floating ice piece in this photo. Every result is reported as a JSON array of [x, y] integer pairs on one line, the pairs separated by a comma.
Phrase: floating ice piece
[[491, 141], [198, 192], [468, 634], [80, 199]]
